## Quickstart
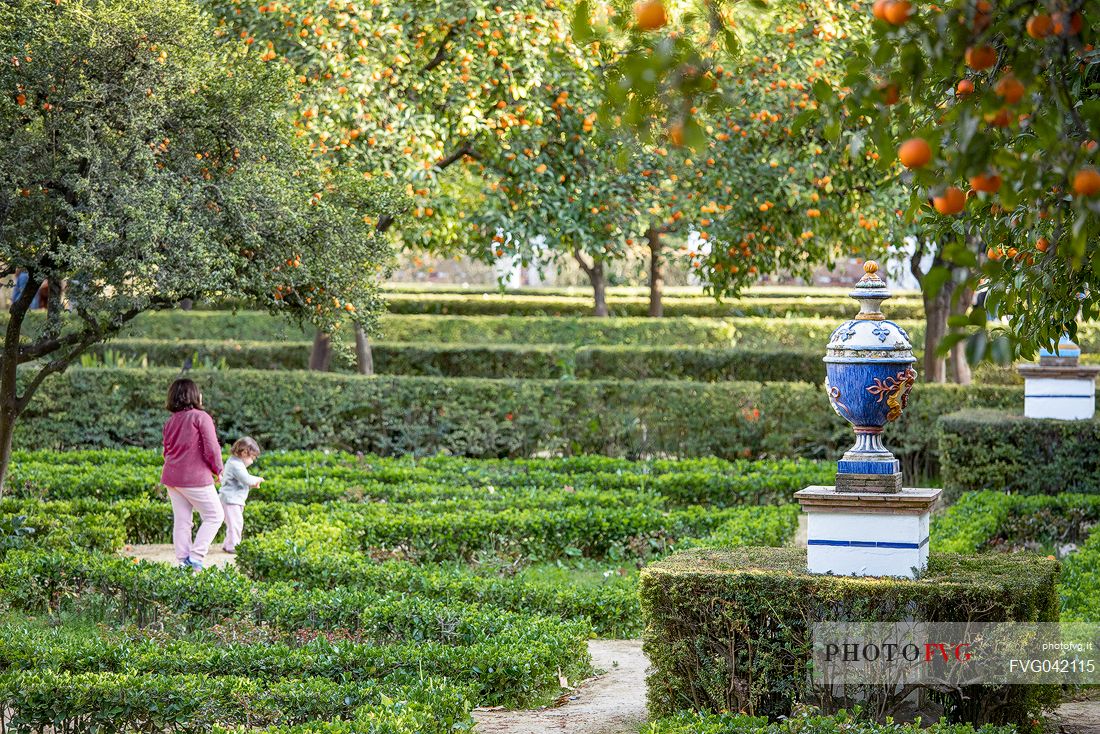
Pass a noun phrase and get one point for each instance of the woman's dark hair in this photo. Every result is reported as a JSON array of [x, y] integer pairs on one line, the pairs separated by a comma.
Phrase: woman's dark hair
[[183, 395]]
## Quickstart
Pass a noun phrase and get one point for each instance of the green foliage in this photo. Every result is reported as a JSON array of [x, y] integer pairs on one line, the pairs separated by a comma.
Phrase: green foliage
[[757, 606], [703, 307], [497, 361], [1036, 138], [1081, 583], [488, 418], [116, 703], [386, 635], [201, 186], [803, 722], [988, 449], [981, 521]]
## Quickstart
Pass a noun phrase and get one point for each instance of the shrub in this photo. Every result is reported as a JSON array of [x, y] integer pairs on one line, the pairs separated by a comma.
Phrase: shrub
[[1081, 583], [322, 555], [730, 630], [492, 672], [498, 361], [487, 418], [988, 449], [691, 722], [495, 304], [112, 703], [996, 521]]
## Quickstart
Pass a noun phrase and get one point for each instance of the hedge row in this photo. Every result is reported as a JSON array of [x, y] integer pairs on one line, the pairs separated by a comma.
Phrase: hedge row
[[804, 722], [486, 304], [988, 449], [323, 555], [746, 333], [981, 521], [118, 703], [487, 418], [392, 634], [731, 629], [309, 477], [672, 292], [535, 361]]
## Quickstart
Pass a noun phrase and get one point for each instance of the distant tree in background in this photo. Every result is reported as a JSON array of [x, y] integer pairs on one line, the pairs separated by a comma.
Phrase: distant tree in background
[[144, 163]]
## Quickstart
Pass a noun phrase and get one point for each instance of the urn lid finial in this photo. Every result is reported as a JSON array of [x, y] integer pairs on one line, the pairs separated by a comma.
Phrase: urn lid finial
[[870, 291]]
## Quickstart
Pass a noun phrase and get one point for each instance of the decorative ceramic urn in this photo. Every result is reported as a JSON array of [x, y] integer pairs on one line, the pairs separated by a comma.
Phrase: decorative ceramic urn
[[869, 373]]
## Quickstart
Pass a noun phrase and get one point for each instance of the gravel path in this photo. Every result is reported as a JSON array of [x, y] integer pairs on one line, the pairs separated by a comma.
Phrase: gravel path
[[165, 553], [611, 703]]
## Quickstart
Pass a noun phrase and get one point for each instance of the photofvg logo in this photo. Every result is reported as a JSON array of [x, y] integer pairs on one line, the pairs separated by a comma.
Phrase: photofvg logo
[[955, 654]]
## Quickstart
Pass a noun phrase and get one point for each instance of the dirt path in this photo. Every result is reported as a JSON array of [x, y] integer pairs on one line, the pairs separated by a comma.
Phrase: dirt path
[[165, 553], [612, 703]]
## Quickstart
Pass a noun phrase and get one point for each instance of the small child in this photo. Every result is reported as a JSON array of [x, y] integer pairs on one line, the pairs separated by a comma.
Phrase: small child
[[236, 481]]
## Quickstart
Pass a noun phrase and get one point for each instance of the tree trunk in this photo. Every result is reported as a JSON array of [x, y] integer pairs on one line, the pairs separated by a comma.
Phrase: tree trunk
[[599, 290], [320, 358], [8, 416], [186, 304], [364, 358], [936, 310], [656, 277], [959, 366]]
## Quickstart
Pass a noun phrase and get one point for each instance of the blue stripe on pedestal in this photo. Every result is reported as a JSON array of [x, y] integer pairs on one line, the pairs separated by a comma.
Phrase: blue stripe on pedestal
[[1075, 397], [868, 467], [868, 544]]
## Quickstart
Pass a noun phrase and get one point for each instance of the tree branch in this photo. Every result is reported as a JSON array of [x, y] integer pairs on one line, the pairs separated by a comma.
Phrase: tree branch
[[441, 51]]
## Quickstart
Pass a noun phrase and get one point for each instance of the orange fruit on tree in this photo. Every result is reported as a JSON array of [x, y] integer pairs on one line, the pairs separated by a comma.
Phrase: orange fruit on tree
[[993, 253], [915, 153], [897, 12], [988, 183], [676, 133], [890, 94], [1067, 24], [1010, 88], [1086, 182], [1040, 25], [964, 87], [980, 57], [649, 15], [951, 201], [878, 9], [1042, 244]]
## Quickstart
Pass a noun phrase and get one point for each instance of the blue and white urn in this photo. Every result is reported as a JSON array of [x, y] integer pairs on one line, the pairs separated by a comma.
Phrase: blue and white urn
[[869, 373]]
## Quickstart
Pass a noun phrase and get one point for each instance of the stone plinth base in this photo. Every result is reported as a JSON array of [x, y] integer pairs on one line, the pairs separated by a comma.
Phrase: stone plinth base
[[867, 533], [1062, 392]]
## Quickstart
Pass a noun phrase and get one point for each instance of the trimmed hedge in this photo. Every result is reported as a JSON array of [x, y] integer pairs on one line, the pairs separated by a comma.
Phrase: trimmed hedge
[[981, 521], [730, 630], [513, 657], [804, 722], [746, 333], [323, 555], [536, 361], [988, 449], [118, 703], [106, 408], [838, 306]]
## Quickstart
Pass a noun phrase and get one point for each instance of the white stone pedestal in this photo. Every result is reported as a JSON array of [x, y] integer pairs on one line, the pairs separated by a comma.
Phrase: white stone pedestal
[[1061, 392], [867, 534]]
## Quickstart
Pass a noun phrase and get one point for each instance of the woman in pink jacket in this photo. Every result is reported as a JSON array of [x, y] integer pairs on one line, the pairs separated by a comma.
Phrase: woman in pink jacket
[[192, 461]]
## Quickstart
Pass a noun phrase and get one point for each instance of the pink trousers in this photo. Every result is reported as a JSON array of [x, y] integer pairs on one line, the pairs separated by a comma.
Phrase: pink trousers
[[234, 525], [185, 502]]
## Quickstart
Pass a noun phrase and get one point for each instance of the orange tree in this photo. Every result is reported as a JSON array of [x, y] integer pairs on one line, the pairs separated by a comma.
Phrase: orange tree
[[579, 191], [993, 104], [997, 119], [143, 164], [762, 189], [417, 92], [754, 169]]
